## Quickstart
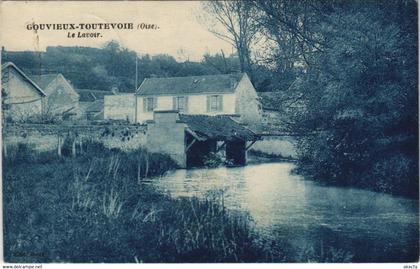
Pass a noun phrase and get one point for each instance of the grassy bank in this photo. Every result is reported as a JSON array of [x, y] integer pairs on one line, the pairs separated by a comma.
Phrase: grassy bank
[[91, 208]]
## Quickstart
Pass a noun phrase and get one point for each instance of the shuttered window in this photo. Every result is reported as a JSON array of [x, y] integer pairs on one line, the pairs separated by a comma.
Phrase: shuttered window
[[180, 103], [149, 104], [214, 103]]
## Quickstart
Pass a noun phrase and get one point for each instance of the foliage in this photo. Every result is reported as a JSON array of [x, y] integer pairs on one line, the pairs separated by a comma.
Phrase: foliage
[[232, 21], [360, 119], [45, 118], [114, 66], [212, 160], [330, 255]]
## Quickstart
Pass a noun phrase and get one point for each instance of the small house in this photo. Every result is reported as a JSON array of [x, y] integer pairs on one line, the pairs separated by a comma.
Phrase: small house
[[226, 94], [91, 103], [21, 96], [121, 106], [191, 139], [62, 99]]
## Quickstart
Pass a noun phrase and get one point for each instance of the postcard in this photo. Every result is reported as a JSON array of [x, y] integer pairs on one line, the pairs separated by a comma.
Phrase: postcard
[[211, 132]]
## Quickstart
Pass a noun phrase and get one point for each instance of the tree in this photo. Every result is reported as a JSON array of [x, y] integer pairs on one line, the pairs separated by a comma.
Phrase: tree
[[291, 37], [232, 21], [220, 63], [359, 124]]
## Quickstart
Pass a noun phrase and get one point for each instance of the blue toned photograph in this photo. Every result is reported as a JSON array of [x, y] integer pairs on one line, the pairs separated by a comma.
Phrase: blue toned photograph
[[251, 131]]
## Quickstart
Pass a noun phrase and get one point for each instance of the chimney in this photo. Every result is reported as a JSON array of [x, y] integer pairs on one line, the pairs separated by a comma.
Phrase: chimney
[[115, 90], [165, 116]]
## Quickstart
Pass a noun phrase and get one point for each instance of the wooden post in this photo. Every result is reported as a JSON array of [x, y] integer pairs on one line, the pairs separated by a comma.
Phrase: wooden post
[[73, 148], [59, 145], [80, 145], [4, 149], [138, 172], [147, 165]]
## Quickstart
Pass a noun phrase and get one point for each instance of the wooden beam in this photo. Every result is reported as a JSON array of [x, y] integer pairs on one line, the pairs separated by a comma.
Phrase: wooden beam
[[73, 148], [191, 132], [59, 145], [221, 146], [250, 145], [190, 145]]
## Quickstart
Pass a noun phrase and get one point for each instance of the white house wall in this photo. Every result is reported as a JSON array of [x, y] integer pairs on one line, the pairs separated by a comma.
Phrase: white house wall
[[164, 103], [23, 98], [197, 104], [247, 102], [244, 101]]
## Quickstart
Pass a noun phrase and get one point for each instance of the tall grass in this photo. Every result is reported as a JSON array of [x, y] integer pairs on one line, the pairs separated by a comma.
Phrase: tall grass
[[93, 208], [112, 204]]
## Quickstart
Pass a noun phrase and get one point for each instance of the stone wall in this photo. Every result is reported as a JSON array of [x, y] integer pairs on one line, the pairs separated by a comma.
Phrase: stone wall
[[44, 137], [167, 135]]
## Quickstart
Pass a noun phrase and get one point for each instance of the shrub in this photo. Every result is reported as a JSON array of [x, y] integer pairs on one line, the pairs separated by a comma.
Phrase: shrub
[[212, 160], [394, 175]]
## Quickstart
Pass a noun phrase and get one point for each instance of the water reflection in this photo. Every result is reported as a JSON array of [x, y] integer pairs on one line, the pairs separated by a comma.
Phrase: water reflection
[[373, 226]]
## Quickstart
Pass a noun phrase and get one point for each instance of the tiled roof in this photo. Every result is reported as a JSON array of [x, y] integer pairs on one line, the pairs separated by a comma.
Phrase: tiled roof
[[190, 85], [221, 127], [87, 95], [96, 106], [44, 80]]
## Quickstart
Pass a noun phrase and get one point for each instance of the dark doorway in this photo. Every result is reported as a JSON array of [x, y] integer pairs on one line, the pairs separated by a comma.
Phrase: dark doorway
[[236, 152], [198, 150]]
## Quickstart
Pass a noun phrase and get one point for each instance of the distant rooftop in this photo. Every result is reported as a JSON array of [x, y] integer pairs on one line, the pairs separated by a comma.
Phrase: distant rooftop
[[87, 95], [190, 85], [43, 80], [95, 106]]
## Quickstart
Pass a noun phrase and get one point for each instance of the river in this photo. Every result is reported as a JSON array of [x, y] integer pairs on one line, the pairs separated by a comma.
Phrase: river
[[373, 227]]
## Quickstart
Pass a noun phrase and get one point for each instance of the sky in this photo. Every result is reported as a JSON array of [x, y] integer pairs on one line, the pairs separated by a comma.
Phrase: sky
[[177, 21]]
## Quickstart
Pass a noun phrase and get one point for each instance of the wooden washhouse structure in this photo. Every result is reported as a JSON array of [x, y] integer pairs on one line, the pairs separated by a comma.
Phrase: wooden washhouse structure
[[190, 139]]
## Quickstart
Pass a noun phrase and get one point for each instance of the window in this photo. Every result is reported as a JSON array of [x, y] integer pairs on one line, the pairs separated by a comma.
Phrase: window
[[180, 103], [149, 104], [214, 103]]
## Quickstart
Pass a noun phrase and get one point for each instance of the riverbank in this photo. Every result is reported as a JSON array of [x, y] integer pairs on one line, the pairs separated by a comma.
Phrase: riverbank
[[100, 206], [308, 221], [92, 208], [260, 157]]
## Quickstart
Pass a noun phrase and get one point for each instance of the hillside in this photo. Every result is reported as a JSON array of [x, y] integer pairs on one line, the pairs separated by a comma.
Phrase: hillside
[[112, 66]]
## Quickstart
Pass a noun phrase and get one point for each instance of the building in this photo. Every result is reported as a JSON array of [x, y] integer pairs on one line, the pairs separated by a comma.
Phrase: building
[[121, 106], [21, 96], [226, 94], [91, 103], [191, 139], [62, 99]]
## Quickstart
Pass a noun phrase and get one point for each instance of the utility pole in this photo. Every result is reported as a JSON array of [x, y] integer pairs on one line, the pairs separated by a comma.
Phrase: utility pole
[[135, 86], [135, 90]]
